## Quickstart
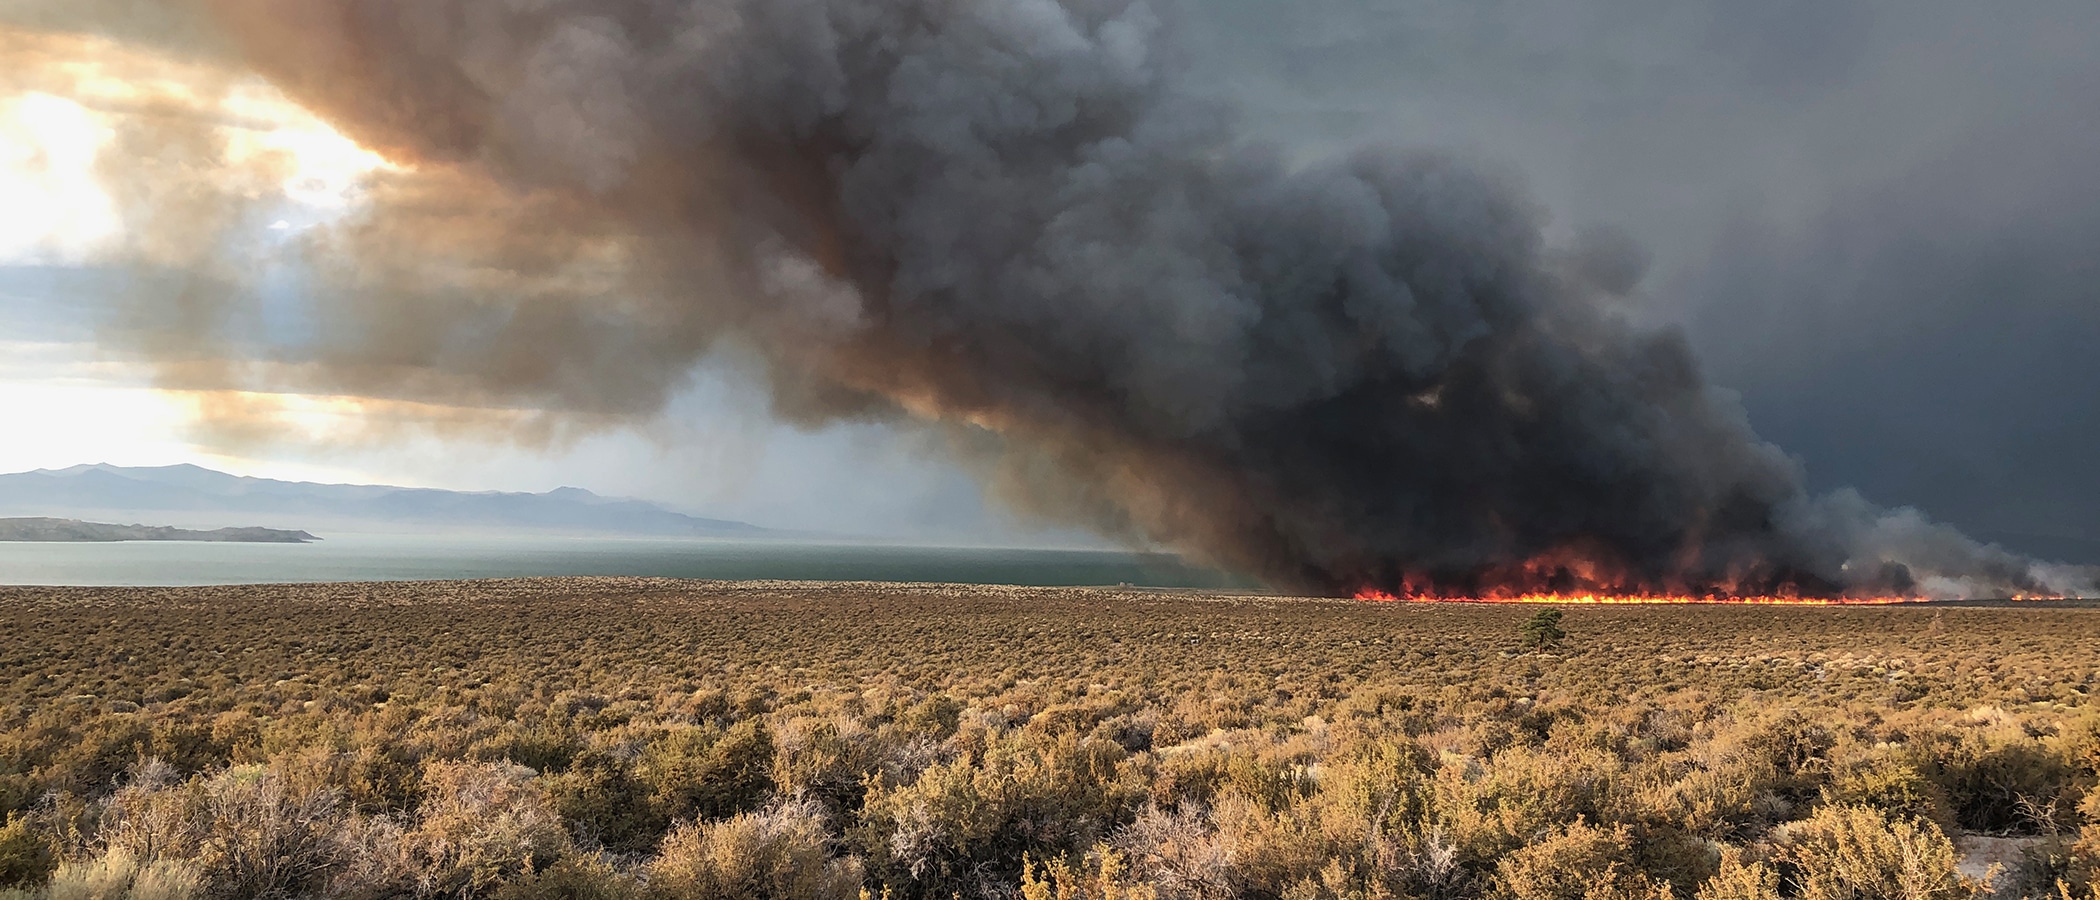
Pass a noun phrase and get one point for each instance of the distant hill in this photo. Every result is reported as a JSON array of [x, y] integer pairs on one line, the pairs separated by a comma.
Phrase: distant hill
[[74, 531], [192, 495]]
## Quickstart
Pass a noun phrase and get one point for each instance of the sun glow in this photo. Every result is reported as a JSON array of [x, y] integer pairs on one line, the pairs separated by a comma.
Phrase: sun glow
[[57, 210], [68, 119], [57, 130], [324, 171]]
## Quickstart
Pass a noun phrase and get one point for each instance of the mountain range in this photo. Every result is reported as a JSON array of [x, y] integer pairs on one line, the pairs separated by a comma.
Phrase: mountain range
[[74, 531], [196, 497]]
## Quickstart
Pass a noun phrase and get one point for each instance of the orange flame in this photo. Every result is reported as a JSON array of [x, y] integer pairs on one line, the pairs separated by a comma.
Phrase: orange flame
[[1374, 595], [1579, 573], [1582, 573]]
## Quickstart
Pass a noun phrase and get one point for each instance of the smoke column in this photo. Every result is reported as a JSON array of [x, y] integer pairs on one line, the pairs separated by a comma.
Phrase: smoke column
[[1006, 216]]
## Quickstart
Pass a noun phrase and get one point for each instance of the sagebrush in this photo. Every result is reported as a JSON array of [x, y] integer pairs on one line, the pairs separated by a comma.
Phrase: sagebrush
[[630, 738]]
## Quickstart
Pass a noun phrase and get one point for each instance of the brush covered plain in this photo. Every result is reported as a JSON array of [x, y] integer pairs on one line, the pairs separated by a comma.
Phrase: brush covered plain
[[621, 737]]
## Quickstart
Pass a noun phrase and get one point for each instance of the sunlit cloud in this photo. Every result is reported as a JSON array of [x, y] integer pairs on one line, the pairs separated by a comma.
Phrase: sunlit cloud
[[57, 127], [326, 172], [62, 116], [57, 211], [62, 421], [241, 420]]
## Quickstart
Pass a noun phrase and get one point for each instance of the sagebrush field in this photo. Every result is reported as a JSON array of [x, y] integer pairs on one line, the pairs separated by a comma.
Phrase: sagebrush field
[[613, 738]]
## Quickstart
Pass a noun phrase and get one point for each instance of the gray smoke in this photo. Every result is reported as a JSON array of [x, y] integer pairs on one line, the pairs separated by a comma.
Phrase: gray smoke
[[1008, 216]]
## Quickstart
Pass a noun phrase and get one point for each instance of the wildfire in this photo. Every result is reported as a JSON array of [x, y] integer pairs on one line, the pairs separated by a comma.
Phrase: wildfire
[[1373, 595], [1588, 573]]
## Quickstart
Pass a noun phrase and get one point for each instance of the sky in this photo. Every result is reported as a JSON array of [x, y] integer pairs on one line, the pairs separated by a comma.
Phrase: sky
[[72, 396], [1875, 220]]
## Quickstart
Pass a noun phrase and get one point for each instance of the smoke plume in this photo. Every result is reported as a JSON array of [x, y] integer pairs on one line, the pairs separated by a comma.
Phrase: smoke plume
[[1008, 217]]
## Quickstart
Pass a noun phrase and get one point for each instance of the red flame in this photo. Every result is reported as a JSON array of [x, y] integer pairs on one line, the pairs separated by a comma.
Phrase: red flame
[[1578, 575], [1378, 596]]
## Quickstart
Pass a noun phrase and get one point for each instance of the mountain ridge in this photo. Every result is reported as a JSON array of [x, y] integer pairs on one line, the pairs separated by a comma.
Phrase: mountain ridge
[[196, 492], [48, 530]]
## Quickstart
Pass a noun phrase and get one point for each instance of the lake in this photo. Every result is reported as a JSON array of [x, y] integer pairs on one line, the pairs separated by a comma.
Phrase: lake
[[434, 557]]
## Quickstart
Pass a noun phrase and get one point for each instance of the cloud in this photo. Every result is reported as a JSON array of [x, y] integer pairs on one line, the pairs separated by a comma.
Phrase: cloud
[[1017, 220]]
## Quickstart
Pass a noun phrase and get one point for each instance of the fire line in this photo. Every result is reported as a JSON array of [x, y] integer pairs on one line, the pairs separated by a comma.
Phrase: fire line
[[1372, 595]]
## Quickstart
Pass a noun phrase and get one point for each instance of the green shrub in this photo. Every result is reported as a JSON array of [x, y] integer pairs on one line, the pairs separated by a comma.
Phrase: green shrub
[[384, 779], [1542, 630], [606, 804], [1494, 809], [702, 774], [1894, 787], [26, 856]]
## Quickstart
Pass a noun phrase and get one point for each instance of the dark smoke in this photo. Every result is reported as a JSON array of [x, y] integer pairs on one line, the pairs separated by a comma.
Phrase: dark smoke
[[1005, 215]]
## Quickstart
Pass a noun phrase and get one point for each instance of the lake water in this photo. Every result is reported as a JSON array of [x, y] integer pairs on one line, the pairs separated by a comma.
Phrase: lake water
[[427, 557]]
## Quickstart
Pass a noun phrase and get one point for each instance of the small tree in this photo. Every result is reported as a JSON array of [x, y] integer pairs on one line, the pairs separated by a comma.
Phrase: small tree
[[1542, 630]]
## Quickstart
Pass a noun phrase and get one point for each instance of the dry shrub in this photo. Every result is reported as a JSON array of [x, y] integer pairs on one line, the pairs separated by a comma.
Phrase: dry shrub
[[383, 864], [1999, 779], [244, 830], [827, 760], [1269, 851], [1180, 853], [479, 825], [1744, 776], [573, 878], [1739, 879], [153, 816], [118, 875], [265, 839], [698, 773], [2083, 868], [480, 829], [1859, 853], [965, 825], [1892, 786], [1231, 746], [1101, 877], [482, 823], [1376, 790], [1574, 862], [779, 853], [1492, 810]]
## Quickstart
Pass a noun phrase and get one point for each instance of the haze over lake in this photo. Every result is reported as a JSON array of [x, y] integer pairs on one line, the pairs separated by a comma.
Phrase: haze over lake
[[365, 557]]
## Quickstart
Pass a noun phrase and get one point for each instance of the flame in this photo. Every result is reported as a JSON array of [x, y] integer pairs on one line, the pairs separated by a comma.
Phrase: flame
[[1374, 595], [1584, 573]]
